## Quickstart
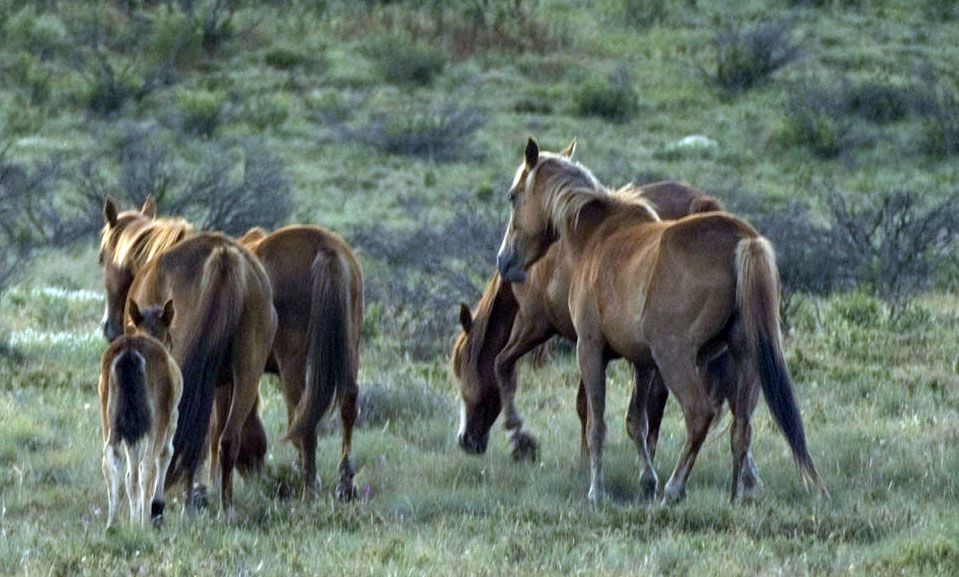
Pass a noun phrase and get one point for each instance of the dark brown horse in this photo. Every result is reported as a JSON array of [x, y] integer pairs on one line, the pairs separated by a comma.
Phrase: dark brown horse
[[318, 296], [511, 320], [657, 293]]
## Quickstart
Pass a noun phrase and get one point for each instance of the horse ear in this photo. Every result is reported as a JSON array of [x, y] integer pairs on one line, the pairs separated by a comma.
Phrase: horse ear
[[167, 316], [532, 153], [135, 313], [149, 209], [110, 211], [569, 150], [466, 318]]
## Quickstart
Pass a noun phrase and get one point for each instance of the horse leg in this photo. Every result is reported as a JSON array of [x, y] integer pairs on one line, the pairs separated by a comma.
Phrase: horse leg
[[637, 425], [526, 335], [592, 368], [345, 490], [581, 407], [746, 484], [678, 368], [292, 361], [148, 472], [163, 465], [221, 410], [133, 479], [655, 407], [111, 472]]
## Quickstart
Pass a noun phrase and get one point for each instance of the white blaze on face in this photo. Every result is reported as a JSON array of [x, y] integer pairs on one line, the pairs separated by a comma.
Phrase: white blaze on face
[[462, 427]]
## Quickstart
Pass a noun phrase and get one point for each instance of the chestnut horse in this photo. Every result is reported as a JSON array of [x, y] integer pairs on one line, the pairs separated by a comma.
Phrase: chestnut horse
[[511, 320], [657, 292], [140, 387], [318, 296]]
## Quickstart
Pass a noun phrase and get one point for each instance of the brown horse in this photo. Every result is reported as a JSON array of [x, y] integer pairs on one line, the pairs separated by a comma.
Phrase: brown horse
[[129, 240], [140, 387], [512, 320], [221, 337], [660, 293], [318, 296]]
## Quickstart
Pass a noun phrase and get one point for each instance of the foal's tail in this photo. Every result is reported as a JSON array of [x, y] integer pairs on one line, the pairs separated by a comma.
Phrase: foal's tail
[[758, 303], [330, 357], [131, 417], [210, 339]]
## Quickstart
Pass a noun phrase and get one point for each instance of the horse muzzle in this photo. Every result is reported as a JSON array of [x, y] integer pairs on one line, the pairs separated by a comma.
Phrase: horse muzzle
[[509, 266], [110, 331]]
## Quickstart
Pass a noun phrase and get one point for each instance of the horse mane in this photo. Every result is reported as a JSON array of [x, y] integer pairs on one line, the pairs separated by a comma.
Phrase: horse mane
[[480, 326], [145, 243], [569, 187]]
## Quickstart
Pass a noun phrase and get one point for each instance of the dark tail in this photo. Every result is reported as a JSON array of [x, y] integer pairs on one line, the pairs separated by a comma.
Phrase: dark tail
[[758, 301], [330, 357], [216, 320], [132, 417]]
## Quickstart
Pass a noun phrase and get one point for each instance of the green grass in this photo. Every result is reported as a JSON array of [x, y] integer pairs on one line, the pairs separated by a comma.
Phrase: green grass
[[878, 393]]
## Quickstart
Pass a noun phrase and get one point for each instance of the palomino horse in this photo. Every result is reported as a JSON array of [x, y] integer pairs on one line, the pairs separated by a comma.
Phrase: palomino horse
[[140, 388], [658, 293], [511, 320], [318, 296]]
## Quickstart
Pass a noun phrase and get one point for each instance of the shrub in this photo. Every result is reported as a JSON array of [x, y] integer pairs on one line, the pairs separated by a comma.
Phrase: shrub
[[878, 102], [40, 34], [109, 88], [642, 13], [815, 118], [30, 74], [176, 39], [941, 122], [266, 111], [401, 60], [747, 57], [285, 58], [329, 107], [615, 99], [438, 132], [201, 111]]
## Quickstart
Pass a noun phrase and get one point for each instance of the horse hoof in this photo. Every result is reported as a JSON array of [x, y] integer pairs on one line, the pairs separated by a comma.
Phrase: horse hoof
[[673, 494], [596, 496], [524, 447], [346, 491], [648, 485], [200, 499]]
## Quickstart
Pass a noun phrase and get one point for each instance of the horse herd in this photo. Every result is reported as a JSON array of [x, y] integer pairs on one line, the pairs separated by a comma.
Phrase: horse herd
[[657, 275]]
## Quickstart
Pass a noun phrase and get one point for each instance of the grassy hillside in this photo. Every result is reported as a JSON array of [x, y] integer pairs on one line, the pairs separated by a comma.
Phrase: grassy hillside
[[399, 124]]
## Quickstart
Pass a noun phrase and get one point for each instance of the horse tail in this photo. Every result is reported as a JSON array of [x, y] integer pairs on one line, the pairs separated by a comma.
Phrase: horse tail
[[757, 297], [705, 203], [131, 417], [211, 337], [329, 358]]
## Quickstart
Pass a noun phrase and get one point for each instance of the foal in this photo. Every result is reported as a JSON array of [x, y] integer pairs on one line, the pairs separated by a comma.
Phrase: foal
[[140, 387]]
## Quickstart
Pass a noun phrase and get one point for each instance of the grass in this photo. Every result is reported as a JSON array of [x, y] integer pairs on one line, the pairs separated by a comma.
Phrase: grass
[[366, 144]]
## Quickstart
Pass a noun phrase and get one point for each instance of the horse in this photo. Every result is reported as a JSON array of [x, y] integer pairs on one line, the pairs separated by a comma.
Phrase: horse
[[140, 388], [318, 296], [658, 293], [511, 320], [128, 241]]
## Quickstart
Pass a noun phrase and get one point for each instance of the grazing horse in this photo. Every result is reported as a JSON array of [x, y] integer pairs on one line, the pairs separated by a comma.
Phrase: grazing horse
[[662, 293], [318, 296], [511, 320], [140, 388]]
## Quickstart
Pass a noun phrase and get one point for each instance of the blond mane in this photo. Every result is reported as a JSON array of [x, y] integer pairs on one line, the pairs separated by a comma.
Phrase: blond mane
[[141, 245], [569, 187]]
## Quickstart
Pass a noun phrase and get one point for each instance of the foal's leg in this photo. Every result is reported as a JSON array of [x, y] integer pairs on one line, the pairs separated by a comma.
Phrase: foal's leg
[[527, 334], [677, 365], [655, 407], [133, 479], [592, 368], [637, 424], [290, 350], [581, 410], [111, 472], [148, 480], [163, 459]]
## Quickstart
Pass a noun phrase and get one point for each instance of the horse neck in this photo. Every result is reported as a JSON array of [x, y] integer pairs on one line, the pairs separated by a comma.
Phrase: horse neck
[[599, 218]]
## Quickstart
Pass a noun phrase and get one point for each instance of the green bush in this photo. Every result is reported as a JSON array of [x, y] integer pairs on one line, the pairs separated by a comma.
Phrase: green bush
[[749, 56], [41, 34], [642, 13], [940, 135], [614, 99], [266, 111], [401, 60], [201, 111], [329, 107], [30, 75], [438, 132], [816, 120], [878, 102], [110, 87], [285, 58], [176, 38]]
